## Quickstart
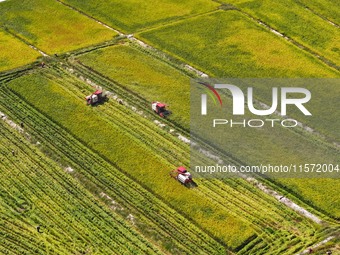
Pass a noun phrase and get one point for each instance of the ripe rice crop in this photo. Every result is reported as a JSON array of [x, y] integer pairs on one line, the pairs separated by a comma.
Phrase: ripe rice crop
[[130, 15], [50, 26], [14, 53]]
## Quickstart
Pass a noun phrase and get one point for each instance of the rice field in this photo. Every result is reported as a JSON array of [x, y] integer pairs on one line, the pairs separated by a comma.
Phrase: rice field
[[280, 146], [136, 160], [298, 23], [213, 205], [50, 26], [228, 44], [19, 55], [79, 179], [140, 73], [127, 17], [321, 7]]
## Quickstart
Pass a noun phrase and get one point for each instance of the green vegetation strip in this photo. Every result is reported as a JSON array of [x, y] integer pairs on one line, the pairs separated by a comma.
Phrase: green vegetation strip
[[50, 26]]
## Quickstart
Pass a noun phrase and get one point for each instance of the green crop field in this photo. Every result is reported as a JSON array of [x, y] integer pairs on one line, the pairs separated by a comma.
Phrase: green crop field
[[315, 191], [249, 58], [127, 17], [50, 26], [142, 74], [137, 159], [18, 55], [323, 103], [121, 194], [228, 44], [197, 205], [298, 23], [35, 191], [292, 147], [322, 7], [96, 179]]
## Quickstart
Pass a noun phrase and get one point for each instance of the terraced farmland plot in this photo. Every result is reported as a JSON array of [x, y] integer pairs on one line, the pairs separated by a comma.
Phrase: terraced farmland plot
[[14, 53], [230, 196], [142, 74], [35, 191], [228, 44], [131, 15], [50, 26]]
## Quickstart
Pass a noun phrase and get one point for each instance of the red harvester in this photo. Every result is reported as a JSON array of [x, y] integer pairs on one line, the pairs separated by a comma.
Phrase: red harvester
[[182, 175], [160, 109], [95, 97]]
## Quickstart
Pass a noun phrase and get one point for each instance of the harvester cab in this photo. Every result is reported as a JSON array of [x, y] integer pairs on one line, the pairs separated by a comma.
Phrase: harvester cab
[[95, 97], [160, 109], [181, 175]]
